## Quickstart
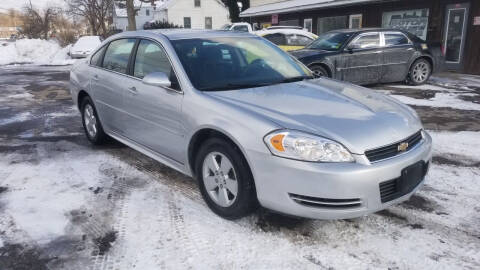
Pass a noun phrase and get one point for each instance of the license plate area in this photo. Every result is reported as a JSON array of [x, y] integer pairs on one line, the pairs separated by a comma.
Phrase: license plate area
[[410, 178]]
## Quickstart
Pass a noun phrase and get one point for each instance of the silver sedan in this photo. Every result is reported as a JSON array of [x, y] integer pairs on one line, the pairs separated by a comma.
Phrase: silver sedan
[[249, 123]]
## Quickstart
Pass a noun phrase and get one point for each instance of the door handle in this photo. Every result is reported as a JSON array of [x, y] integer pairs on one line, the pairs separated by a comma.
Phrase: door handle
[[133, 90]]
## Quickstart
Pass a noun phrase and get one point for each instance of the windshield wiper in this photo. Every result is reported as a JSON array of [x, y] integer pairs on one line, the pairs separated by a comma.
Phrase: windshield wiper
[[232, 86], [295, 79]]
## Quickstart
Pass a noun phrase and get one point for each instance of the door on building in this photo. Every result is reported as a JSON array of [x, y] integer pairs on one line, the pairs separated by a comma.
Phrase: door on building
[[355, 21], [456, 21]]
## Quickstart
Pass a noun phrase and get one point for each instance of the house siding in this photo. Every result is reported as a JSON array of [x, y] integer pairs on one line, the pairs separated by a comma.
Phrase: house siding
[[208, 8]]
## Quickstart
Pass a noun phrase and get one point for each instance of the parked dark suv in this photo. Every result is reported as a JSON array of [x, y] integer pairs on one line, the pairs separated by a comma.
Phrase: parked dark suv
[[365, 56]]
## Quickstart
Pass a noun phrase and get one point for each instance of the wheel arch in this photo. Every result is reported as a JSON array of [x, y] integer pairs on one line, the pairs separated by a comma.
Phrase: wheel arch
[[326, 66], [81, 95], [205, 133]]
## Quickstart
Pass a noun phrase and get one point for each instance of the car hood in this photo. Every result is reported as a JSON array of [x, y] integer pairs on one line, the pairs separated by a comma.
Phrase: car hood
[[309, 52], [357, 117]]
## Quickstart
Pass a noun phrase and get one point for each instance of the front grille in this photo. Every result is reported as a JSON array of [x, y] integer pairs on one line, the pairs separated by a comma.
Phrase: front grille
[[406, 183], [325, 203], [392, 150]]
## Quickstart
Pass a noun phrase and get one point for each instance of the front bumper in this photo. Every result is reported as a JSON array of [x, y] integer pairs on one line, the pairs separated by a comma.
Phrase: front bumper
[[277, 178]]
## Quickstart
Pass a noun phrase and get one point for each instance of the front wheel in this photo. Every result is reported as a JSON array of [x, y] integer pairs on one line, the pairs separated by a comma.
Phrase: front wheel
[[319, 71], [420, 71], [225, 179]]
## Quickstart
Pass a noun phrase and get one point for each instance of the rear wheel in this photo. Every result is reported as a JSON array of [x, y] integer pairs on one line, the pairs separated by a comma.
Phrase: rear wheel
[[319, 71], [420, 71], [91, 123], [225, 180]]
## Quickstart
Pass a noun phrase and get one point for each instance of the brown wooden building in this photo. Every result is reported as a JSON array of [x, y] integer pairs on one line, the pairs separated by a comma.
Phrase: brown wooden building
[[453, 24]]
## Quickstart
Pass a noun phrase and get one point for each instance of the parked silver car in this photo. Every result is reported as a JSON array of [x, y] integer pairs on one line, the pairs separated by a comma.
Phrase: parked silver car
[[250, 124]]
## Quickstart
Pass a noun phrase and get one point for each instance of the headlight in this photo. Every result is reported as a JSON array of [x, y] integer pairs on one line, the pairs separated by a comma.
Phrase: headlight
[[302, 146]]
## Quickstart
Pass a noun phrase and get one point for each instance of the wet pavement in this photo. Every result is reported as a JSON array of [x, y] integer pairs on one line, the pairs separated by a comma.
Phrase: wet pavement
[[65, 204]]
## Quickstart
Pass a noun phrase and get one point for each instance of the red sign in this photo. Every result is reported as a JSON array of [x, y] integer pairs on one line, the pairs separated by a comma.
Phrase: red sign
[[275, 19]]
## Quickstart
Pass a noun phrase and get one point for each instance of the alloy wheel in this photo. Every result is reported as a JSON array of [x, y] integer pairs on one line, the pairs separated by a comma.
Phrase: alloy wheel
[[220, 179], [420, 72], [90, 120]]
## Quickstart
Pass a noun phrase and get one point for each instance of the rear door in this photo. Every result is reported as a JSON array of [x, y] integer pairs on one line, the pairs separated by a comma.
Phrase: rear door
[[397, 53], [296, 42], [153, 112], [362, 59], [108, 83]]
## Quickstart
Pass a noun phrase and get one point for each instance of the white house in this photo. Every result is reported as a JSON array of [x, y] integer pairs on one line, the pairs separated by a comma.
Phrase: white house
[[197, 14]]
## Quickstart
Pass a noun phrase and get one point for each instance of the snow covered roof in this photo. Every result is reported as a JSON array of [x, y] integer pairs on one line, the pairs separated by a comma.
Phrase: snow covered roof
[[159, 4], [299, 5]]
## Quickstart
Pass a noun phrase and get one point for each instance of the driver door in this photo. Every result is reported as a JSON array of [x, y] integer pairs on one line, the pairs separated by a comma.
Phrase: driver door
[[362, 59], [154, 112]]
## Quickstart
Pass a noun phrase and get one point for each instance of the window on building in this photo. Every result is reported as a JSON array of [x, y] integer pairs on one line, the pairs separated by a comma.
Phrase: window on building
[[331, 23], [208, 22], [393, 39], [197, 3], [117, 55], [187, 22], [307, 24], [414, 21], [147, 12]]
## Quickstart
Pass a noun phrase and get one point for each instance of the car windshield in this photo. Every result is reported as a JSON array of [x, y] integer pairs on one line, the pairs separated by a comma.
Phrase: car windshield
[[226, 27], [225, 63], [330, 41]]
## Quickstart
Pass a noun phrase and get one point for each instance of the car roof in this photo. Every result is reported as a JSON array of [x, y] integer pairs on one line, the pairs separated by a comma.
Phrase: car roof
[[284, 31], [363, 30], [174, 34]]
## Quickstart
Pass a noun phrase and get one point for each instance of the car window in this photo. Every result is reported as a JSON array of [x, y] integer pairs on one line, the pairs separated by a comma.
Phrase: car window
[[393, 39], [366, 41], [298, 40], [277, 38], [151, 58], [117, 55], [96, 59], [242, 28]]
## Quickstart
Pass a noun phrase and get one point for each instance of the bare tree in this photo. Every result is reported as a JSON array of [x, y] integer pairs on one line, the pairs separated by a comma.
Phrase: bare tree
[[132, 11], [96, 12], [37, 24]]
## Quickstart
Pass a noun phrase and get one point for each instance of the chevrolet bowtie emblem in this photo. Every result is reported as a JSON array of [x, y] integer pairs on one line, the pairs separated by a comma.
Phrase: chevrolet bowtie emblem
[[402, 147]]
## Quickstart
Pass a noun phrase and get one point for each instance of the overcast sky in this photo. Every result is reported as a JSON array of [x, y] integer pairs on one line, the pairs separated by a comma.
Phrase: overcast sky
[[18, 4]]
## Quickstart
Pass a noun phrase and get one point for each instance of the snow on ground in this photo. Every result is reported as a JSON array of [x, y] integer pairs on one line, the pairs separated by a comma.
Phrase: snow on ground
[[34, 51], [65, 204], [440, 100]]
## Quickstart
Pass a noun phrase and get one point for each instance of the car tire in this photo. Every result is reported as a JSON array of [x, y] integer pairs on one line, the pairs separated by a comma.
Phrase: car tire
[[225, 179], [91, 123], [420, 72], [319, 71]]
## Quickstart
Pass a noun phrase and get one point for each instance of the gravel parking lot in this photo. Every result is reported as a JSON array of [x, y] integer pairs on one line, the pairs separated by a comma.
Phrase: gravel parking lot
[[65, 204]]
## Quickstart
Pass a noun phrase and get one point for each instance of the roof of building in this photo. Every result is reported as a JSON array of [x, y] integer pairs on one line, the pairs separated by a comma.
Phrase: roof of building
[[300, 5], [159, 4]]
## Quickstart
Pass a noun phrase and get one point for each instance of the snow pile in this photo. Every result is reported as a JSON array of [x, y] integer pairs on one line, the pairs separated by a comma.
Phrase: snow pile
[[34, 51]]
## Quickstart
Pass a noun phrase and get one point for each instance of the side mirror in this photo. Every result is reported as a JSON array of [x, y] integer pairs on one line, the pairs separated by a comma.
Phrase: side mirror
[[157, 79]]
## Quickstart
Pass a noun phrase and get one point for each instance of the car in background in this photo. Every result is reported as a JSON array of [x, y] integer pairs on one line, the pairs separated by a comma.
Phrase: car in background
[[367, 56], [239, 26], [84, 46], [286, 37], [250, 124]]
